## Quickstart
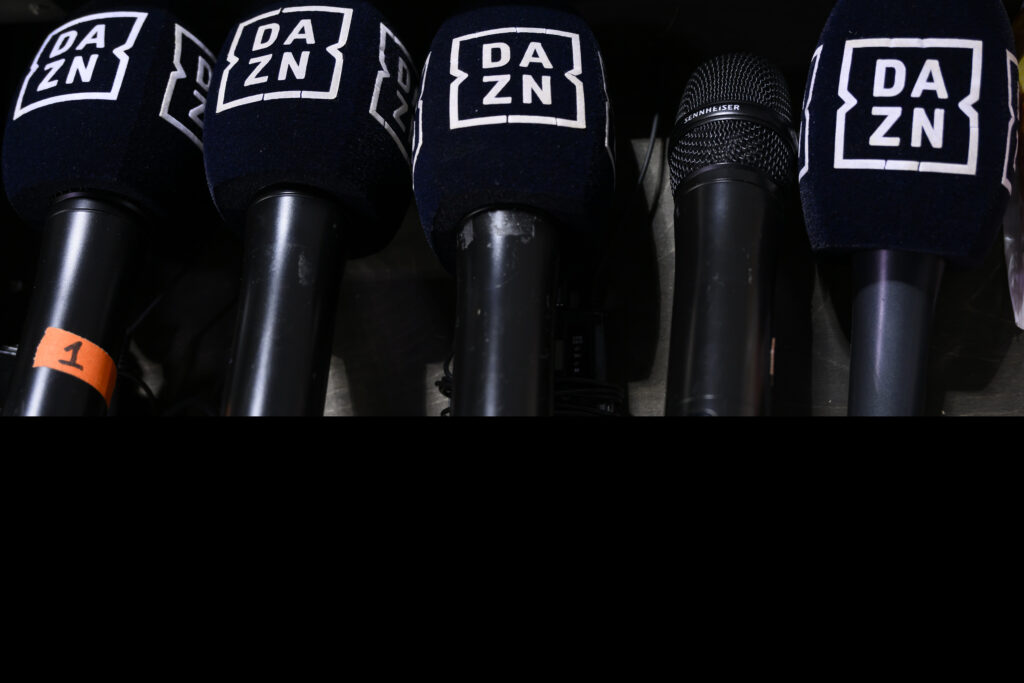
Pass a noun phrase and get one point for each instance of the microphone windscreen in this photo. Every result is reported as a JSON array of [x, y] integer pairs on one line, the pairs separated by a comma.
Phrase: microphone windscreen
[[319, 97], [909, 128], [513, 112], [113, 102]]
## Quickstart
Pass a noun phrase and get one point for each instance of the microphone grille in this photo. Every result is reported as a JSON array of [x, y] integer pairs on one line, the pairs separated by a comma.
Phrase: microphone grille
[[738, 78]]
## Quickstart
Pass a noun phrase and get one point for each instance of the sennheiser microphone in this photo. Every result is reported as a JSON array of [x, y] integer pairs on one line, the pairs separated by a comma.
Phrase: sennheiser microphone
[[907, 150], [103, 147], [732, 157], [513, 163], [307, 154]]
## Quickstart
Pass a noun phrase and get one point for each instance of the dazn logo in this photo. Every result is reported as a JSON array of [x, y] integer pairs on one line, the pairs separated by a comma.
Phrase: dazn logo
[[393, 94], [910, 105], [517, 75], [85, 59], [290, 53], [184, 104]]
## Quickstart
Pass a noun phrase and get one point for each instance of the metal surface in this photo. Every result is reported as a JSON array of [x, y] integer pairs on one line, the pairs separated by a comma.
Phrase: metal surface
[[396, 319]]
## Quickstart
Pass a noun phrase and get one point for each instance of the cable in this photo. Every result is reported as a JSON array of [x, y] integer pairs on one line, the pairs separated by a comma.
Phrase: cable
[[446, 385]]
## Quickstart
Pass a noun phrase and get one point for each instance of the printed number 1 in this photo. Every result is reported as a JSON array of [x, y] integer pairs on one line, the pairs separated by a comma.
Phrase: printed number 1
[[74, 349]]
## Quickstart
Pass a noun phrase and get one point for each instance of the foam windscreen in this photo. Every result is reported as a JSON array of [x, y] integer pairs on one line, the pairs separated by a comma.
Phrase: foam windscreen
[[113, 102], [909, 128], [319, 97], [513, 112]]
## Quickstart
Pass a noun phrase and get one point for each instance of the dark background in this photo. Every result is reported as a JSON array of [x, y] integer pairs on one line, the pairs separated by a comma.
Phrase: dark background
[[650, 49]]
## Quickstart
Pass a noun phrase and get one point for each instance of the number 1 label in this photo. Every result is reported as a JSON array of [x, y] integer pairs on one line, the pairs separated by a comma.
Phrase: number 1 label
[[78, 357]]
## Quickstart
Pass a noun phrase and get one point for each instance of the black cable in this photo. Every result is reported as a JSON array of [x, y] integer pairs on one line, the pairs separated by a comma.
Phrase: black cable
[[576, 396], [446, 385], [650, 152]]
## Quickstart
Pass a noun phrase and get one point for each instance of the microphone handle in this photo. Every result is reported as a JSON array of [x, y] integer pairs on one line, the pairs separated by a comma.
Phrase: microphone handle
[[726, 223], [506, 274], [91, 251], [893, 309], [291, 274]]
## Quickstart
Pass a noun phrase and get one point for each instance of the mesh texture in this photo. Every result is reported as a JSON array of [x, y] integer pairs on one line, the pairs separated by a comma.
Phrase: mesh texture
[[734, 78]]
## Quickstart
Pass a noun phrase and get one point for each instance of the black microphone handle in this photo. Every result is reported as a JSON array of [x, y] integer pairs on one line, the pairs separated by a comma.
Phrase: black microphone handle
[[893, 309], [292, 270], [92, 248], [726, 223], [506, 273]]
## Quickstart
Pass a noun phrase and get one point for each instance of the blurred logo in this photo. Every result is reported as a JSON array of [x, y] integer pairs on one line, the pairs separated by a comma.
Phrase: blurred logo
[[393, 96], [184, 102], [803, 145], [1012, 136]]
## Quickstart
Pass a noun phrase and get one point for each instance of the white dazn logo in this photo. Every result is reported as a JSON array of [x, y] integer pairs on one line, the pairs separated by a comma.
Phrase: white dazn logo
[[1012, 140], [184, 104], [417, 128], [289, 53], [517, 75], [393, 97], [803, 138], [85, 59], [909, 105]]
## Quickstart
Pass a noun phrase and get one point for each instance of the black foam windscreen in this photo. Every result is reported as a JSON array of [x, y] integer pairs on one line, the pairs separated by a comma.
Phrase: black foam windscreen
[[909, 131], [319, 97], [513, 112], [113, 103]]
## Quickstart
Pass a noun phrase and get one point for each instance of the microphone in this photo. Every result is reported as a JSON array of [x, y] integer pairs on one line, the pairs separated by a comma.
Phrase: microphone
[[103, 148], [512, 165], [308, 158], [732, 157], [907, 149]]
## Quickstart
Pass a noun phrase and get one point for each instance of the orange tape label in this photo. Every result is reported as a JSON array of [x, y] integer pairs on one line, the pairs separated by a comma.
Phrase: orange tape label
[[65, 352]]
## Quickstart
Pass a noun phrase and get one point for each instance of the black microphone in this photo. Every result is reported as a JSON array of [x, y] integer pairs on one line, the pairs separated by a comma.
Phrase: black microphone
[[308, 156], [732, 157], [103, 147], [907, 149], [513, 163]]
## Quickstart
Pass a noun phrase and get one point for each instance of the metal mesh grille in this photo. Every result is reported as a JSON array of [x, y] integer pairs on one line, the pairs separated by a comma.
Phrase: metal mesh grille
[[734, 78]]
